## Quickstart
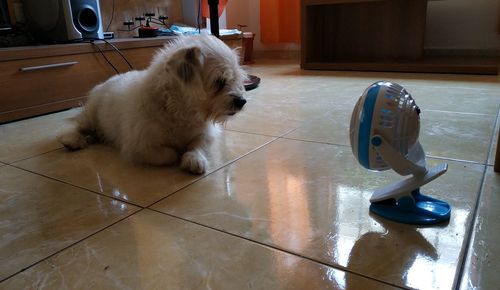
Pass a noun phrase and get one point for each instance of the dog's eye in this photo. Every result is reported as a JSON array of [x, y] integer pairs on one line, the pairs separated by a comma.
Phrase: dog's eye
[[219, 84]]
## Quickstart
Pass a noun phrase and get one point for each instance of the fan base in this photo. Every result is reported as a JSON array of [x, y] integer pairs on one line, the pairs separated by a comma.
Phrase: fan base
[[417, 209]]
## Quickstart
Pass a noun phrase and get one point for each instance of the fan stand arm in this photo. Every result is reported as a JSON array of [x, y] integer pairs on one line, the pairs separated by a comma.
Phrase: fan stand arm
[[404, 187], [398, 162]]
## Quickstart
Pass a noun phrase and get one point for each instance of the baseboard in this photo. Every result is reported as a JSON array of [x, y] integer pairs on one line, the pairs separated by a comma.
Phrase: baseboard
[[437, 51]]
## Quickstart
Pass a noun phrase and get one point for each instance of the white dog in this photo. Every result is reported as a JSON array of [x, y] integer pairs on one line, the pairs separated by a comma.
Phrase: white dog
[[168, 110]]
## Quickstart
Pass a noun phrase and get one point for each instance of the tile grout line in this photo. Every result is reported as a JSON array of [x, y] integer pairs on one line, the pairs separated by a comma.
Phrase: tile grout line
[[428, 156], [313, 141], [33, 156], [212, 172], [70, 245], [459, 112], [471, 232], [250, 133], [76, 186], [337, 267], [458, 160]]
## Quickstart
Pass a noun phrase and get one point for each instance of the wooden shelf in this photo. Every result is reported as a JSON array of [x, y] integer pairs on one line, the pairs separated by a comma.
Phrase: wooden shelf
[[375, 35]]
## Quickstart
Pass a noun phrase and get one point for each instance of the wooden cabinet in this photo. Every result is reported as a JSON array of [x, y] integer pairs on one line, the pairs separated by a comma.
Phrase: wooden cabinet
[[40, 79], [39, 85]]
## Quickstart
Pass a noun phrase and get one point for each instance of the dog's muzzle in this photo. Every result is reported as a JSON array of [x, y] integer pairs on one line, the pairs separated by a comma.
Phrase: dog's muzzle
[[238, 102]]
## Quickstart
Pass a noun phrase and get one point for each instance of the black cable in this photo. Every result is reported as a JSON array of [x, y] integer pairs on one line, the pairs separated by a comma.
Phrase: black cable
[[112, 16], [198, 17], [119, 52], [213, 7], [105, 57]]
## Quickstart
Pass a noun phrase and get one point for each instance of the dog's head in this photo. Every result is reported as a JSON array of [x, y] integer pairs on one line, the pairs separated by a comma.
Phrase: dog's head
[[209, 75]]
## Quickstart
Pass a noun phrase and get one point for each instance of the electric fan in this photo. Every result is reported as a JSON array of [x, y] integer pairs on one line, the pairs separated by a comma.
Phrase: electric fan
[[384, 133]]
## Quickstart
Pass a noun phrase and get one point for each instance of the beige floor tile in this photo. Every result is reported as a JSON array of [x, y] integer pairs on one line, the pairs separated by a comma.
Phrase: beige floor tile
[[40, 216], [482, 264], [270, 111], [312, 199], [332, 127], [154, 251], [458, 136], [100, 168], [456, 97], [30, 137]]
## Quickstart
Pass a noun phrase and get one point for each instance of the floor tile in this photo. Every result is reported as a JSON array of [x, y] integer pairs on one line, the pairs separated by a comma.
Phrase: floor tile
[[30, 137], [153, 251], [456, 98], [482, 264], [312, 199], [40, 216], [101, 169], [269, 112], [332, 127], [457, 136]]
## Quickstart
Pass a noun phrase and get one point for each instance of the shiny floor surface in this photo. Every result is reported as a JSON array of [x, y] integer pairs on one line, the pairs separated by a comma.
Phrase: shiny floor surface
[[283, 205]]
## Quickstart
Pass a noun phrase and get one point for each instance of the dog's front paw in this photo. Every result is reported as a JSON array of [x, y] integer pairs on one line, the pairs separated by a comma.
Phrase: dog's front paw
[[194, 162], [73, 140]]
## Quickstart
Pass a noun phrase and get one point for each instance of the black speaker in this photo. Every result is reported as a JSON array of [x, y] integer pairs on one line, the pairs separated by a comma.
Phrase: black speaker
[[52, 21]]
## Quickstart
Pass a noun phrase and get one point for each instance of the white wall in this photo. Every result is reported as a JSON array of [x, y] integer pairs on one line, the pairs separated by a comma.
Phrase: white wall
[[463, 24], [190, 14], [247, 12]]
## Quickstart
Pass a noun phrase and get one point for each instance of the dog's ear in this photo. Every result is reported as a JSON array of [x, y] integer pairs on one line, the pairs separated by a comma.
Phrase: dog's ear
[[193, 55], [187, 62]]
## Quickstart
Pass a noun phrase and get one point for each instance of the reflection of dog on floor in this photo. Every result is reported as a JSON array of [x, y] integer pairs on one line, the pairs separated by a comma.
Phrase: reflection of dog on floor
[[167, 110]]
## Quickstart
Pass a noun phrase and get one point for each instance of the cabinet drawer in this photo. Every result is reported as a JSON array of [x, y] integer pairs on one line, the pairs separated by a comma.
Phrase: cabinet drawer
[[42, 81]]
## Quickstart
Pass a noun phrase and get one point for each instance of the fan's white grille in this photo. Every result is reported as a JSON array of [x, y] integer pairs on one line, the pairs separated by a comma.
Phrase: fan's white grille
[[396, 117]]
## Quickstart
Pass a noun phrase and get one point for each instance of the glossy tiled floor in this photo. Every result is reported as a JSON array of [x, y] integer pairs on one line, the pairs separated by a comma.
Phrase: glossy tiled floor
[[284, 204]]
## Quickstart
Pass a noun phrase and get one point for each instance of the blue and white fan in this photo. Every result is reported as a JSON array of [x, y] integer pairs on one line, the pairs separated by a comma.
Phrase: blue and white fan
[[384, 131]]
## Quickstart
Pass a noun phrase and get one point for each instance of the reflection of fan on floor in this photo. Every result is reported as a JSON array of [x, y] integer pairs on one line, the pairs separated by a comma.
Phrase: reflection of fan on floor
[[384, 133]]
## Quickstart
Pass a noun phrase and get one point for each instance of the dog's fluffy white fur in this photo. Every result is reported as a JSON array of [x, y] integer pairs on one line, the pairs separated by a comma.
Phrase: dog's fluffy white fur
[[169, 110]]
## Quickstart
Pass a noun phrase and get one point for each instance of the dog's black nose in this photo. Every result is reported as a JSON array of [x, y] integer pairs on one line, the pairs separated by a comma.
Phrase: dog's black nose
[[239, 102]]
